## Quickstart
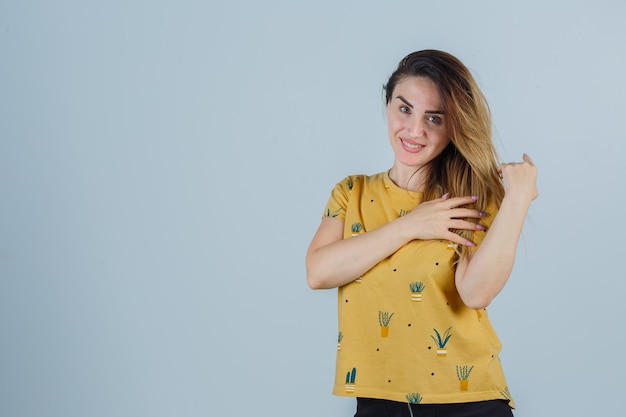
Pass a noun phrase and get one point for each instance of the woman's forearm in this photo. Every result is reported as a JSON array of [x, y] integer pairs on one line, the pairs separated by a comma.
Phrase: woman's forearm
[[481, 276], [332, 262]]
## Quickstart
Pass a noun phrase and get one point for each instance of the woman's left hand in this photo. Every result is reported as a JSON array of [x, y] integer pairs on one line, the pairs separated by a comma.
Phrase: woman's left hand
[[520, 179]]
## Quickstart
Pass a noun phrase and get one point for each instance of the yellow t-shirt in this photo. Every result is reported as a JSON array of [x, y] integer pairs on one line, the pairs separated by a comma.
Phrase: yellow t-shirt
[[404, 332]]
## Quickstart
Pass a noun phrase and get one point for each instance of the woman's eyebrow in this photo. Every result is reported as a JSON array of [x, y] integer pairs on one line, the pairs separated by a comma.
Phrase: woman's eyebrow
[[425, 111], [404, 101]]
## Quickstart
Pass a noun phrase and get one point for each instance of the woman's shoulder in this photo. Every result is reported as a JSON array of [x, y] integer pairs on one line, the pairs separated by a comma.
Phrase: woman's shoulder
[[361, 180]]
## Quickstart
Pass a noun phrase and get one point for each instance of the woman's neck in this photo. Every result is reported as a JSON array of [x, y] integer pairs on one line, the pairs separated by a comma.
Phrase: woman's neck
[[408, 178]]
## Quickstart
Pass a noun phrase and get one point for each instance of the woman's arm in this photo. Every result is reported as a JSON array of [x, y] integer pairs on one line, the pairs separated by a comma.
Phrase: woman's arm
[[332, 261], [482, 275]]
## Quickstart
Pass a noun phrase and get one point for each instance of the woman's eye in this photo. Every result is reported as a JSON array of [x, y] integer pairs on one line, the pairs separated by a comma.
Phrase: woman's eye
[[405, 109], [434, 119]]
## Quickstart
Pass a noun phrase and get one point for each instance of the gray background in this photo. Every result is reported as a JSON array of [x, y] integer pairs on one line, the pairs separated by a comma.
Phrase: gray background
[[163, 166]]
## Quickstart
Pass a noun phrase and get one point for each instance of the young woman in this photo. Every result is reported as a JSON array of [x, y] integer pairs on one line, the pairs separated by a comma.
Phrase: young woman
[[418, 252]]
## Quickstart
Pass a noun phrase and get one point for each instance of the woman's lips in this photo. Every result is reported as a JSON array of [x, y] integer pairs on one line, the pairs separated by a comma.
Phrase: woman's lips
[[411, 146]]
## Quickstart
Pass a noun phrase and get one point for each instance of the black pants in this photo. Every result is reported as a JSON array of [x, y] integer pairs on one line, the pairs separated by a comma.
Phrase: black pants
[[372, 407]]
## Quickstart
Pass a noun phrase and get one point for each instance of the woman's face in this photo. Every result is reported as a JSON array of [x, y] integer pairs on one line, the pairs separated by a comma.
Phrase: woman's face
[[416, 122]]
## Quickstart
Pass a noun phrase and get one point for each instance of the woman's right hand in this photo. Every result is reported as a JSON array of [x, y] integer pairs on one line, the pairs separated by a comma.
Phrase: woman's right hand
[[332, 261], [434, 219]]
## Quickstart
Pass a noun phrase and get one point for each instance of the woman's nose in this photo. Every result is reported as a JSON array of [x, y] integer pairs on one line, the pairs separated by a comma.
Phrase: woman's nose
[[416, 127]]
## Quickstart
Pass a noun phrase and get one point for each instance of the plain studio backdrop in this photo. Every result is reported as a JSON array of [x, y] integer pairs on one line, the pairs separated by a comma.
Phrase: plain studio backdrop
[[164, 165]]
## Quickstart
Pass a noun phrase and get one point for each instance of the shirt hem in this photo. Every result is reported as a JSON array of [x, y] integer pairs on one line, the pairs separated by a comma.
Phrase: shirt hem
[[426, 398]]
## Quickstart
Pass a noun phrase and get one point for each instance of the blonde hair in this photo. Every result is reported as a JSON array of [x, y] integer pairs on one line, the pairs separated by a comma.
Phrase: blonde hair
[[469, 164]]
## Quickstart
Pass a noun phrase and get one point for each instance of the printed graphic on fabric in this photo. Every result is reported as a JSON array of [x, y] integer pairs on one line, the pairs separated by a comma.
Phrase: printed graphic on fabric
[[357, 229], [350, 380], [333, 214], [413, 398], [463, 373], [442, 341], [416, 290], [383, 320], [506, 394], [339, 339], [404, 212], [350, 184]]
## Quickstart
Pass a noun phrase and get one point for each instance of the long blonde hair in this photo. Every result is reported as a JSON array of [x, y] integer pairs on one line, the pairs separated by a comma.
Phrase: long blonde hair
[[469, 164]]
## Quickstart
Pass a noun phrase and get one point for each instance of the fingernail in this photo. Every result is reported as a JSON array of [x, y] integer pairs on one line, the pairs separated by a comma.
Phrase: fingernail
[[446, 195], [468, 243], [483, 214], [481, 227], [474, 197]]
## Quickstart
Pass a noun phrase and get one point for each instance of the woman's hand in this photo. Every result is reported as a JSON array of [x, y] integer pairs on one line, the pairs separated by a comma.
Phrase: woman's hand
[[520, 179], [434, 219], [332, 261]]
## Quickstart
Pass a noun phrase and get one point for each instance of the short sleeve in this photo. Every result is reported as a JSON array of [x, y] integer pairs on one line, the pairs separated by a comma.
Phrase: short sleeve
[[338, 201]]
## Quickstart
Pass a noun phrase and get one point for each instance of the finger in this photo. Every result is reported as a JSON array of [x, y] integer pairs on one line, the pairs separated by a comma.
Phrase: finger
[[460, 201], [466, 225], [460, 213], [526, 158], [453, 237]]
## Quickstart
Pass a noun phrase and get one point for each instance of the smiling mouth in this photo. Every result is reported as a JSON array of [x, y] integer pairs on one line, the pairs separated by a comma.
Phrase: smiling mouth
[[411, 145]]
